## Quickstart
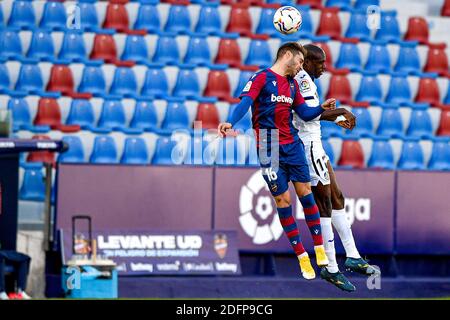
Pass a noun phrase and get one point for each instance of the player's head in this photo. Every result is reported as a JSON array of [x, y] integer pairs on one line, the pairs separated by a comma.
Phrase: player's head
[[314, 60], [291, 56]]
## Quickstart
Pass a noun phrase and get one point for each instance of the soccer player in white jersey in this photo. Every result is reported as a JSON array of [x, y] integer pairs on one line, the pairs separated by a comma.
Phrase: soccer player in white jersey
[[327, 193]]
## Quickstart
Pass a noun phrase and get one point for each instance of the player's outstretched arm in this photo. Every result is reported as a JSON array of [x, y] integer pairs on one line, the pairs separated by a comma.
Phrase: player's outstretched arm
[[240, 110], [341, 116]]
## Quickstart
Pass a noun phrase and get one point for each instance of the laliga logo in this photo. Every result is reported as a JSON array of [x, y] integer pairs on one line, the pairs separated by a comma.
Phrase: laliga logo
[[260, 233]]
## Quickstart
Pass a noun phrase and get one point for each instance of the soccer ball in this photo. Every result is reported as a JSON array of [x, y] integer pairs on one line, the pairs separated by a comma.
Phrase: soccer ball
[[287, 20]]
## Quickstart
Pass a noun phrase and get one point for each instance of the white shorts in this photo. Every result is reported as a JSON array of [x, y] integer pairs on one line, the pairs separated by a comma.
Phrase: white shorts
[[317, 162]]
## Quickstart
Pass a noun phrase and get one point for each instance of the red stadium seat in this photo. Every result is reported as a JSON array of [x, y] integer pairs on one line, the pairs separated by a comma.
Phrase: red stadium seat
[[351, 154], [445, 11], [437, 60], [444, 125], [240, 20], [116, 17], [49, 114], [329, 59], [61, 79], [104, 48], [229, 53], [330, 24], [417, 30], [340, 88], [218, 85], [41, 156], [315, 4], [209, 116], [428, 92]]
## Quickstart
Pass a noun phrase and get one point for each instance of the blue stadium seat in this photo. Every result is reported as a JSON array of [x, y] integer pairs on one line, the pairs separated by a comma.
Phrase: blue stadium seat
[[30, 79], [209, 19], [364, 121], [54, 16], [124, 82], [357, 27], [198, 52], [22, 15], [244, 77], [179, 20], [73, 47], [447, 97], [113, 115], [20, 113], [176, 116], [329, 151], [259, 54], [399, 91], [242, 125], [408, 58], [148, 18], [144, 116], [88, 16], [33, 186], [343, 4], [167, 51], [389, 29], [195, 154], [81, 113], [382, 154], [11, 46], [75, 154], [155, 83], [307, 22], [104, 150], [187, 85], [41, 46], [420, 123], [379, 59], [331, 129], [363, 4], [4, 78], [412, 155], [265, 24], [1, 17], [135, 151], [163, 152], [228, 154], [92, 81], [135, 49], [349, 57], [391, 122], [440, 154], [370, 88]]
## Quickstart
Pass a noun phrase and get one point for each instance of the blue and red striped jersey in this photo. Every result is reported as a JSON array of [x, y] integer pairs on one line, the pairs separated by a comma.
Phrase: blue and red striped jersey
[[274, 97]]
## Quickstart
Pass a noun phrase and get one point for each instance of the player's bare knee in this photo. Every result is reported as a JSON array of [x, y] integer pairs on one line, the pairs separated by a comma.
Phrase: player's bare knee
[[282, 201]]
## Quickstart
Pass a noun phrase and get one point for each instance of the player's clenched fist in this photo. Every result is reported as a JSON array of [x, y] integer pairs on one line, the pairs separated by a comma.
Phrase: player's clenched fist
[[329, 104], [223, 129]]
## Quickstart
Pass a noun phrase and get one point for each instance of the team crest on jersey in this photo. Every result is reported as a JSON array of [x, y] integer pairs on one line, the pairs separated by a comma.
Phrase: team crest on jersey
[[274, 187], [247, 86], [304, 85], [274, 83]]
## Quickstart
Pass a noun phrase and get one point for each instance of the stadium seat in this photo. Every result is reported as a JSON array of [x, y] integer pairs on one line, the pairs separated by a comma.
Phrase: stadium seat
[[187, 84], [30, 79], [92, 81], [420, 123], [428, 91], [331, 129], [370, 88], [33, 185], [4, 78], [389, 29], [352, 154], [244, 77], [208, 114], [391, 122], [167, 51], [81, 113], [48, 113], [440, 154], [445, 10], [349, 56], [22, 15], [116, 17], [329, 151], [104, 48], [163, 152], [218, 84], [242, 125], [198, 52], [88, 16], [229, 53], [135, 151], [176, 116], [11, 46], [41, 156], [417, 30], [339, 87], [73, 47], [61, 80], [265, 24], [447, 97], [363, 4], [259, 54], [148, 18], [179, 20], [124, 82], [444, 124], [399, 91], [54, 16], [75, 154], [195, 154], [379, 59], [437, 60], [240, 20], [382, 155], [209, 19], [104, 150], [20, 113], [330, 24], [315, 4], [144, 116], [155, 83], [342, 4], [135, 49], [112, 115], [364, 121], [357, 27], [408, 58], [412, 155]]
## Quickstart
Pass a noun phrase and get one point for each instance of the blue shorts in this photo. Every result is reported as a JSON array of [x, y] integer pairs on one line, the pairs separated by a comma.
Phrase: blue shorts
[[292, 166]]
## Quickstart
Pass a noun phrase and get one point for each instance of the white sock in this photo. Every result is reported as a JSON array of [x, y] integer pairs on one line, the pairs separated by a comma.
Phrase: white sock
[[328, 243], [340, 222]]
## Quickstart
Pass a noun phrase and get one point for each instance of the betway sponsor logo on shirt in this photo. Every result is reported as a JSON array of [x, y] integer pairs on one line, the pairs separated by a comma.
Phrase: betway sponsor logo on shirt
[[282, 98]]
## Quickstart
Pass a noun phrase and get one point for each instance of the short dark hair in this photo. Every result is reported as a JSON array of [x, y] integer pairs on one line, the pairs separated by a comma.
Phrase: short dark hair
[[314, 52], [294, 47]]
